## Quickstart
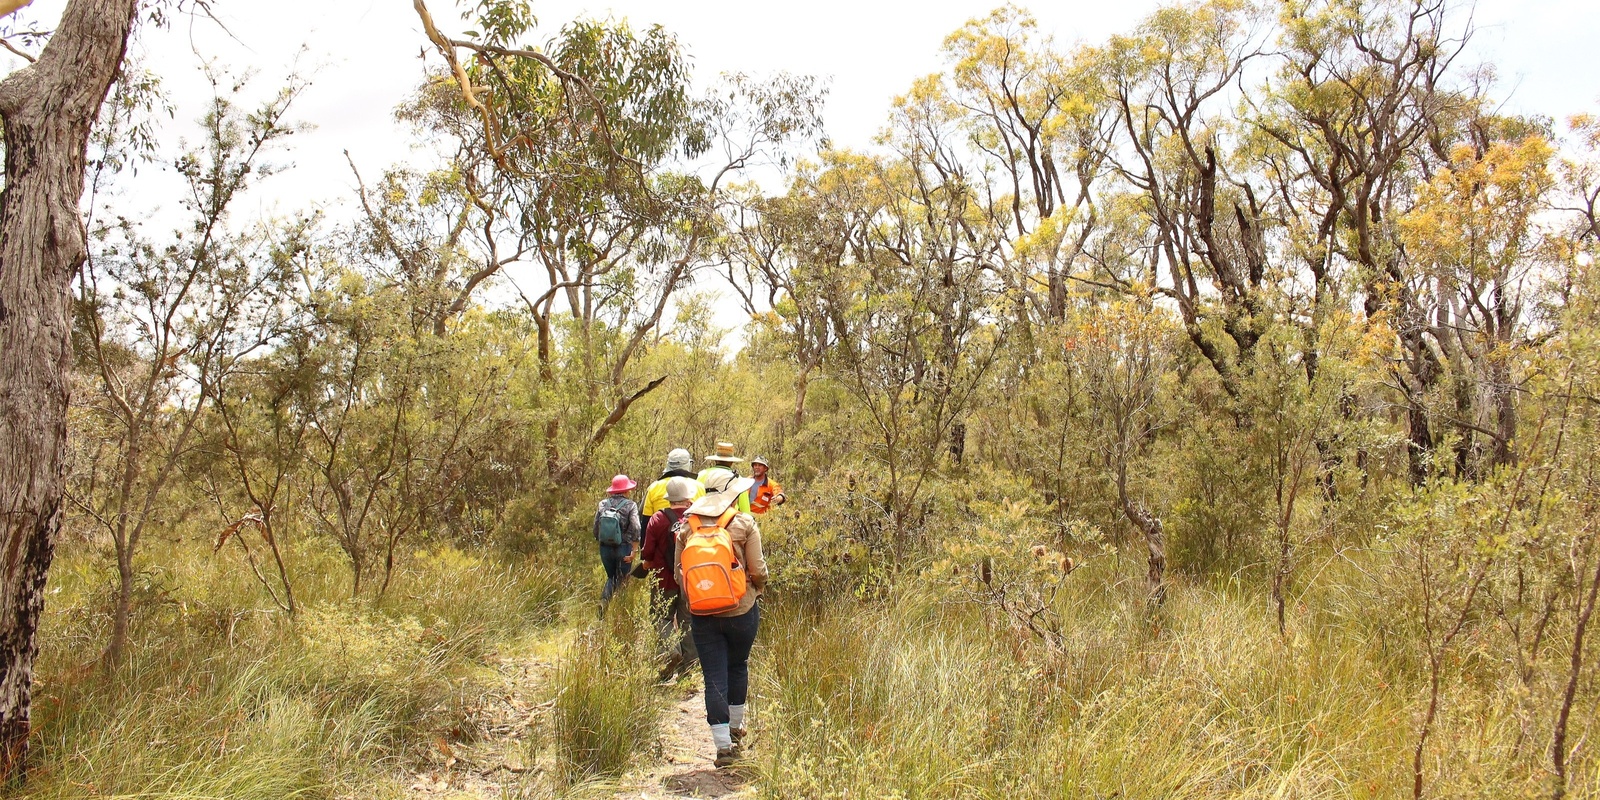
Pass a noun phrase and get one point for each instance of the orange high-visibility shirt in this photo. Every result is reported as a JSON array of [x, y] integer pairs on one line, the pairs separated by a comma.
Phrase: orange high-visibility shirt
[[761, 496]]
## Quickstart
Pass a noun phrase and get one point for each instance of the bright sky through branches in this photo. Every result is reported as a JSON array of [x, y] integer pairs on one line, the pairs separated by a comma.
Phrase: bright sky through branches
[[363, 56]]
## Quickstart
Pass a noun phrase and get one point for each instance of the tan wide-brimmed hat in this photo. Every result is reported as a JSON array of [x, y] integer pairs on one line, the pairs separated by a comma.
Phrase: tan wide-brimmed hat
[[722, 488], [724, 454]]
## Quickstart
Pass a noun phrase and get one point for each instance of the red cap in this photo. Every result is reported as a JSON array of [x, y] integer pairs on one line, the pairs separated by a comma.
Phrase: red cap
[[621, 483]]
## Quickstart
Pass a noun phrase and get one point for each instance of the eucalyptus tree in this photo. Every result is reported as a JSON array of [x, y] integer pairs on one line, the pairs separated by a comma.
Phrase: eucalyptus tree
[[1171, 84], [782, 253], [391, 417], [585, 146], [1123, 350], [885, 275], [1476, 247], [47, 109], [1033, 113], [1365, 103], [939, 224]]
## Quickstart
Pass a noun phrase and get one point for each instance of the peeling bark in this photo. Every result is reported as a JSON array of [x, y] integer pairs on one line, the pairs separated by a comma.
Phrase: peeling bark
[[47, 109]]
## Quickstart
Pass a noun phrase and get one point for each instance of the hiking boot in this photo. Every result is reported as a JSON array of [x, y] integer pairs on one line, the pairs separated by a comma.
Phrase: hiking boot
[[726, 758], [738, 735], [671, 671]]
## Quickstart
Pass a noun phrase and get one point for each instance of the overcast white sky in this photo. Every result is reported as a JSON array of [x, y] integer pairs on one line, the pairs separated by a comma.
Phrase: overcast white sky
[[363, 56]]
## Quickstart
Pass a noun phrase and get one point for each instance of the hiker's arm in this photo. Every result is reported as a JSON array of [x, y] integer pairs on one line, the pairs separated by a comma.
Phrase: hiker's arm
[[651, 552], [635, 536], [677, 558], [755, 564]]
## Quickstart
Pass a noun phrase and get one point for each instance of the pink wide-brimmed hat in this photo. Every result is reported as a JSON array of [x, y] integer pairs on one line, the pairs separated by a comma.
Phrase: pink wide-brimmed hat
[[620, 484]]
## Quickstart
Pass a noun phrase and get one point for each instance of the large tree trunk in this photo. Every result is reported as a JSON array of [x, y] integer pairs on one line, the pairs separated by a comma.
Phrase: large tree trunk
[[47, 110]]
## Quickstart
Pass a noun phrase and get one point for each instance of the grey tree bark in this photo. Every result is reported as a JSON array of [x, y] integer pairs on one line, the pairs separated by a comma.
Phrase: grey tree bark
[[47, 109]]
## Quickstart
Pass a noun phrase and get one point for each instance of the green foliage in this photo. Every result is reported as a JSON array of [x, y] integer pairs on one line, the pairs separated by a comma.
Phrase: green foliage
[[1147, 430], [605, 707]]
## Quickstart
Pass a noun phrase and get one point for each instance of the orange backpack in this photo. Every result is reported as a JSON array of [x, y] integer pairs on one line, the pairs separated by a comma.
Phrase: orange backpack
[[713, 580]]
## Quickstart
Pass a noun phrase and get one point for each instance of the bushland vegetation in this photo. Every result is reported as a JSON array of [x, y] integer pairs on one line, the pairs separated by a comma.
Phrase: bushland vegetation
[[1210, 411]]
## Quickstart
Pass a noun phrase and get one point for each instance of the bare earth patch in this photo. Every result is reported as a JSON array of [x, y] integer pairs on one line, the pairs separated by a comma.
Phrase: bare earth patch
[[685, 768], [501, 763]]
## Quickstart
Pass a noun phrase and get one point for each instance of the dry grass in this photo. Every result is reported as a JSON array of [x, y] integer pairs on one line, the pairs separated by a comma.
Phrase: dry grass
[[920, 697]]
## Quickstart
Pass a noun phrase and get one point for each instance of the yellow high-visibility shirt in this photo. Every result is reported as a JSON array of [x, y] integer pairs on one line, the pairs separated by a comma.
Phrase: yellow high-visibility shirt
[[655, 498]]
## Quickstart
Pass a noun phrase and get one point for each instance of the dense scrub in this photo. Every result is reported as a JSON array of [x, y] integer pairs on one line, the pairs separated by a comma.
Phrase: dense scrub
[[1210, 412]]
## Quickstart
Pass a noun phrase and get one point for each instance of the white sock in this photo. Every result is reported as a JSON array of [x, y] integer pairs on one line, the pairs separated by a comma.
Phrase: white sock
[[721, 736], [736, 716]]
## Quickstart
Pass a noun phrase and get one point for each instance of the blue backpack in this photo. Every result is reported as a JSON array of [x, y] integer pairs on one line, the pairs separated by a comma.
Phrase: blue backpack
[[609, 525]]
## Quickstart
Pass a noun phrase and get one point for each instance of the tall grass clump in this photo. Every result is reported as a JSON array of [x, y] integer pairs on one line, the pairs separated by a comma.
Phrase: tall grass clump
[[929, 696], [908, 699], [605, 710], [224, 697]]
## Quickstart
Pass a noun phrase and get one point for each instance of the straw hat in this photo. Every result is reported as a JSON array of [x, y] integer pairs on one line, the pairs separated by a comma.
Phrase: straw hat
[[724, 454]]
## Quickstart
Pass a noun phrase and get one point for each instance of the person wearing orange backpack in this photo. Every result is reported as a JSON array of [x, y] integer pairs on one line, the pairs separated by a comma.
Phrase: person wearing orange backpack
[[722, 573]]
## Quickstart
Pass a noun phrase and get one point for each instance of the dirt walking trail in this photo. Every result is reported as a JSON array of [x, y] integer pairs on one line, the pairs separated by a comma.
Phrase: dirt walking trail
[[500, 763], [685, 768]]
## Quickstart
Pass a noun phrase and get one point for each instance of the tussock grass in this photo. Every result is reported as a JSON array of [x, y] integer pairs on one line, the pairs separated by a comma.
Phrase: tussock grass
[[606, 710], [222, 699], [919, 693], [927, 697]]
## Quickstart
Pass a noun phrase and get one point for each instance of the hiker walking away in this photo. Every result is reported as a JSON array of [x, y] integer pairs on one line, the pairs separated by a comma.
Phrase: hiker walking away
[[722, 461], [764, 492], [658, 557], [679, 463], [616, 528], [722, 573]]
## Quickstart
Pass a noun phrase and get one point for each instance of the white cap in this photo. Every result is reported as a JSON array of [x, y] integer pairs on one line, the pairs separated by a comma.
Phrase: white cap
[[680, 489]]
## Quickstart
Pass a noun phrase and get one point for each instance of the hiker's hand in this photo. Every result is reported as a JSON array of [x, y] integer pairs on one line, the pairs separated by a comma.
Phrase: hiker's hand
[[780, 499]]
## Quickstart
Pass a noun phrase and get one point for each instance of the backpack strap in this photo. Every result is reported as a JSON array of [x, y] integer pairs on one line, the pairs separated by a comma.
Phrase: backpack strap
[[671, 562], [722, 522]]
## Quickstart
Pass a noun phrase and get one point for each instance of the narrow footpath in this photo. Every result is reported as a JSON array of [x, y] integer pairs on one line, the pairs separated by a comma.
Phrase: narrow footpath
[[502, 764], [685, 768]]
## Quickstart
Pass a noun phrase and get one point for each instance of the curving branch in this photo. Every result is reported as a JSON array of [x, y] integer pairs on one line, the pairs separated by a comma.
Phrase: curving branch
[[497, 149]]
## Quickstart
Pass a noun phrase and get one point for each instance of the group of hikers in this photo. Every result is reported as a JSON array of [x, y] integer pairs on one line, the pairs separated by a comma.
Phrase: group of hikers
[[696, 536]]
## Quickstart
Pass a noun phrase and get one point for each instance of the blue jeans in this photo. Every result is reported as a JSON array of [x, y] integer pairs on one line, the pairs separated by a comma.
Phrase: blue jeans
[[616, 568], [724, 644]]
